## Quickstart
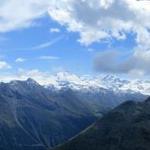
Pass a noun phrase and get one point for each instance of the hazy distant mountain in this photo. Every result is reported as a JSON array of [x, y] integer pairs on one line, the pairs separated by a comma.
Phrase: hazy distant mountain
[[34, 117], [127, 127]]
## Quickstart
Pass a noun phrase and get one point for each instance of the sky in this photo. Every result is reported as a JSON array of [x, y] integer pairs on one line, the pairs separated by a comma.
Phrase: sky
[[41, 37]]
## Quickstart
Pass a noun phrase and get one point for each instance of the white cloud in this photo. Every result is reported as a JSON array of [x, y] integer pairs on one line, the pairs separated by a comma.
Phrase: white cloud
[[49, 58], [94, 20], [16, 14], [19, 60], [100, 19], [4, 65], [136, 64], [54, 30], [42, 77]]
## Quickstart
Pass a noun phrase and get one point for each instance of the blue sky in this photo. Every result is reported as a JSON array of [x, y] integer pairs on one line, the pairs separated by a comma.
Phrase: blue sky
[[91, 39], [22, 44], [72, 55]]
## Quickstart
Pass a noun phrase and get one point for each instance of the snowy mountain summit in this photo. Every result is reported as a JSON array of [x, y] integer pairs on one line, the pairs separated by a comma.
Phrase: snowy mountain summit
[[66, 79]]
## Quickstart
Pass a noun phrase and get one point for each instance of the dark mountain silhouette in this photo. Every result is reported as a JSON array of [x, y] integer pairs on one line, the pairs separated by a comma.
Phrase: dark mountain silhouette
[[127, 127], [33, 117]]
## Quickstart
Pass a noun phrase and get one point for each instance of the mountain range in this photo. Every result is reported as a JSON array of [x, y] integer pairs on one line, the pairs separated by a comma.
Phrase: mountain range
[[88, 82], [39, 117], [31, 117], [124, 128]]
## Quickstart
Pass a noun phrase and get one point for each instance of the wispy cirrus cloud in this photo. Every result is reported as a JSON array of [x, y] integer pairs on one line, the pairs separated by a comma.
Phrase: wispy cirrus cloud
[[44, 45], [49, 58], [47, 44]]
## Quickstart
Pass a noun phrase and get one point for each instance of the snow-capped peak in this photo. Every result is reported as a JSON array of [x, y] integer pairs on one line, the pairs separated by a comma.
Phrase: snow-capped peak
[[65, 79], [66, 76], [62, 80], [31, 81]]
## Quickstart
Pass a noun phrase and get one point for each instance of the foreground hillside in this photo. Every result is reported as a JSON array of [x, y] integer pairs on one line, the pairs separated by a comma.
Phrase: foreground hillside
[[127, 127], [33, 117]]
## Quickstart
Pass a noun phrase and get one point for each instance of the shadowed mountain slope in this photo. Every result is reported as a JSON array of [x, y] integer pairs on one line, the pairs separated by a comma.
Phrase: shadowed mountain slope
[[127, 127], [33, 117]]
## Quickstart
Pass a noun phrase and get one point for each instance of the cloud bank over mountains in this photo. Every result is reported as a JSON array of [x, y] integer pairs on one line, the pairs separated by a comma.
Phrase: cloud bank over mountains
[[95, 21]]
